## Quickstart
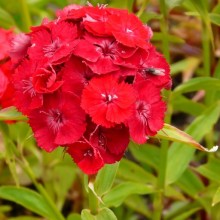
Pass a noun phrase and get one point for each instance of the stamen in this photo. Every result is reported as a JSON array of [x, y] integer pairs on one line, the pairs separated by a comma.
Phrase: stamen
[[128, 30], [88, 153], [28, 87], [50, 49]]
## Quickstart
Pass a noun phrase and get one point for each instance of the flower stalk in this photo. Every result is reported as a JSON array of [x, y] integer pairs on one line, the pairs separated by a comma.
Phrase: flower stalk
[[93, 200]]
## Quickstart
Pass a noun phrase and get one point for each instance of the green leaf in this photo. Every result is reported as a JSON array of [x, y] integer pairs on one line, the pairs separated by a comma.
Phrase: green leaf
[[216, 198], [186, 105], [147, 154], [120, 4], [74, 216], [210, 169], [174, 193], [119, 193], [86, 215], [217, 70], [173, 3], [198, 83], [215, 18], [27, 198], [184, 64], [202, 8], [179, 155], [129, 170], [190, 183], [105, 178], [6, 20], [106, 214], [11, 113], [146, 17], [171, 38], [178, 209], [138, 204], [216, 9], [130, 5], [169, 132], [103, 214], [25, 218], [187, 213]]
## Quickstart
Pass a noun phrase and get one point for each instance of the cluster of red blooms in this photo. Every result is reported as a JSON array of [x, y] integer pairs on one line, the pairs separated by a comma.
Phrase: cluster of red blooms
[[6, 88], [89, 81]]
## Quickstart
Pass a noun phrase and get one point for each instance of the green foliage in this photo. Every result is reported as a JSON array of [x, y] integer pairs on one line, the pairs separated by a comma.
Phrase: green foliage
[[165, 178], [27, 198]]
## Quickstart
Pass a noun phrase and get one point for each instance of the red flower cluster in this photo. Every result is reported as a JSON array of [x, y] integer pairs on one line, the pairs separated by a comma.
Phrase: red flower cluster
[[89, 81], [6, 88]]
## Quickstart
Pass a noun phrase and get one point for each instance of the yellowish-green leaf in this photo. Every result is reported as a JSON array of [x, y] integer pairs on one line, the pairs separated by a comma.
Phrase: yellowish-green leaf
[[172, 133], [6, 20], [173, 3], [188, 106], [27, 198], [119, 193], [179, 155], [103, 214], [215, 18], [210, 169], [216, 198], [199, 83], [105, 178], [11, 113]]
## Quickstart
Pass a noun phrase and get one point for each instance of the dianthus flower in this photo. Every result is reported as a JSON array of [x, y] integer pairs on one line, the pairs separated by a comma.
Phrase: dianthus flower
[[90, 81], [6, 88]]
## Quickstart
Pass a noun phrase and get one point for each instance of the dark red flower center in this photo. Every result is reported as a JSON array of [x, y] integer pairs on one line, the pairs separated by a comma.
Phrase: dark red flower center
[[107, 48], [55, 119], [50, 49], [88, 153], [143, 110], [102, 140], [28, 87]]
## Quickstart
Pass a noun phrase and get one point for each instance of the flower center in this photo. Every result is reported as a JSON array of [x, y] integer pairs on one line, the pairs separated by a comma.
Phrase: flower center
[[28, 87], [107, 98], [102, 141], [50, 49], [107, 48], [88, 153], [143, 110], [55, 119], [127, 30]]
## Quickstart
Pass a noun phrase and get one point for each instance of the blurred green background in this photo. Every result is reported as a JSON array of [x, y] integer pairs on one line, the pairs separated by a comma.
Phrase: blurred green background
[[159, 180]]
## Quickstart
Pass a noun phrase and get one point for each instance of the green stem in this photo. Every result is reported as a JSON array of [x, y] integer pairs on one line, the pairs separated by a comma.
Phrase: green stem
[[159, 197], [206, 49], [25, 15], [161, 183], [93, 199], [165, 30], [41, 189], [143, 6]]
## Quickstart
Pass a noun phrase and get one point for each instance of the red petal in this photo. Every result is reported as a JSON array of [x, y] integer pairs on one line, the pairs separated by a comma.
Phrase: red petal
[[86, 157]]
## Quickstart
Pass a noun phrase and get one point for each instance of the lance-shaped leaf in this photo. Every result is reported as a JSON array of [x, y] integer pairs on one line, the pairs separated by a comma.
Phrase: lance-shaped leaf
[[172, 133], [105, 178], [216, 198], [28, 198], [103, 214], [179, 155], [10, 113], [119, 193], [199, 83]]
